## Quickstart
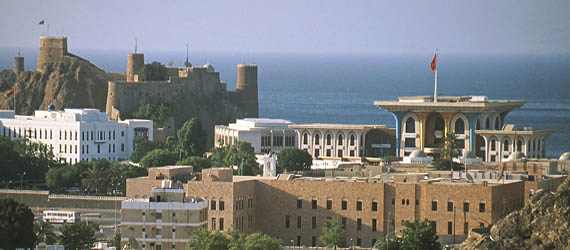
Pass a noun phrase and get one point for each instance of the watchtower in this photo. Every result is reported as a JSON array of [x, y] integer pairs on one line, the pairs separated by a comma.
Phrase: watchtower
[[134, 61], [247, 87], [52, 49], [18, 64]]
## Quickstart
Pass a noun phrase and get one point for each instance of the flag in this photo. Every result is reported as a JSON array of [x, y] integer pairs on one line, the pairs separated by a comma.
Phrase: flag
[[11, 92], [433, 68], [42, 22]]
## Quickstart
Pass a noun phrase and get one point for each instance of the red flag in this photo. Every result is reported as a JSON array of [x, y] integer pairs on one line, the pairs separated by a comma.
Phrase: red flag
[[11, 92], [433, 68]]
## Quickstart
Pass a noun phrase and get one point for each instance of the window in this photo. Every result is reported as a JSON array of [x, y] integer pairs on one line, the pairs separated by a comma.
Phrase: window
[[374, 206], [434, 205], [417, 202], [403, 202], [329, 203], [339, 140], [450, 206], [339, 153], [287, 221], [359, 224], [481, 207], [221, 205], [299, 203], [305, 139], [122, 147], [159, 216], [314, 222], [213, 223], [343, 204], [352, 140], [313, 241], [87, 147], [433, 226], [465, 206], [410, 125], [460, 126], [359, 205], [221, 224], [481, 225], [98, 148], [317, 139], [122, 133], [299, 222], [374, 225], [449, 227], [314, 203], [213, 204]]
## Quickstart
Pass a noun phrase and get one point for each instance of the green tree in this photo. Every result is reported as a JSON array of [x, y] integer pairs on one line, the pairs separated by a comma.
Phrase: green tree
[[197, 162], [78, 235], [154, 71], [332, 234], [415, 235], [157, 158], [204, 240], [61, 177], [97, 176], [259, 241], [16, 225], [44, 232], [128, 171], [241, 154], [22, 155], [142, 147], [293, 159], [154, 109], [450, 148], [192, 138]]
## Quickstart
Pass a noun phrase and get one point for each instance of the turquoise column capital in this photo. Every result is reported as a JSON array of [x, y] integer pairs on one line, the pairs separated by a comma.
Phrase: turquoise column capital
[[472, 126]]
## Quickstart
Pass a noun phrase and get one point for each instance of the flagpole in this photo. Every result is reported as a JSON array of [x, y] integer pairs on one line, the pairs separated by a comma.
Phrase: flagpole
[[435, 89], [14, 100]]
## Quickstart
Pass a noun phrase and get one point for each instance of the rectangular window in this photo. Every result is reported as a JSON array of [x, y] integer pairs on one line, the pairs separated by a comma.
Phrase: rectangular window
[[287, 221], [481, 207], [87, 147], [465, 206], [329, 204], [299, 203], [314, 222], [450, 206], [358, 205], [83, 149], [374, 206], [213, 204], [122, 147], [221, 205], [313, 241], [434, 206], [433, 226], [159, 216], [158, 231], [314, 203], [221, 224], [374, 225], [299, 222], [98, 148], [213, 223], [359, 224], [343, 204], [449, 227], [113, 134]]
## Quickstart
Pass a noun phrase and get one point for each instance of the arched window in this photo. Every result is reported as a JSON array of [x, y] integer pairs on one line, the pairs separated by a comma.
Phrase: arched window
[[340, 140], [410, 125], [493, 142], [305, 139], [497, 124], [317, 139], [478, 126], [519, 145], [505, 145], [488, 124], [352, 140], [329, 139], [459, 126], [439, 124]]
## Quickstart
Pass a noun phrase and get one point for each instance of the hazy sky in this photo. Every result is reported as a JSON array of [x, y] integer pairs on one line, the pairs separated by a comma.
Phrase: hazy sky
[[299, 26]]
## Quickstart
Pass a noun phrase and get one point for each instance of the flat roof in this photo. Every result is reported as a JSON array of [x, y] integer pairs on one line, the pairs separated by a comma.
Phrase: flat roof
[[448, 103], [336, 126]]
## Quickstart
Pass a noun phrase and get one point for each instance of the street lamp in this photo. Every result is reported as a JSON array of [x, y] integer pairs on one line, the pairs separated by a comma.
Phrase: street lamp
[[22, 178]]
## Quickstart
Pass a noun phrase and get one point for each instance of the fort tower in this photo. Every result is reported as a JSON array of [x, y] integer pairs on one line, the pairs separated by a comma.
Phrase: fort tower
[[18, 64], [52, 49], [247, 87], [134, 61]]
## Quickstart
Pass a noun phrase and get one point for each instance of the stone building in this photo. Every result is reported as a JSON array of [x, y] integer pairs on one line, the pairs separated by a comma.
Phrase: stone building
[[293, 208], [165, 220]]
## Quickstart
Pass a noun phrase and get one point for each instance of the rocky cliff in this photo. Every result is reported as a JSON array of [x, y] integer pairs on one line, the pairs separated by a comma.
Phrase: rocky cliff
[[544, 223], [72, 82]]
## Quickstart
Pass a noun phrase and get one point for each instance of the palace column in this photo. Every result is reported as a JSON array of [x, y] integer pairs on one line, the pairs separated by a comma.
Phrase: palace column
[[447, 120], [423, 122], [472, 126], [398, 117]]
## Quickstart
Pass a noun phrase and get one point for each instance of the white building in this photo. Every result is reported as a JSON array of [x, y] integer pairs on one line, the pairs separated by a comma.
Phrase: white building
[[265, 135], [77, 134]]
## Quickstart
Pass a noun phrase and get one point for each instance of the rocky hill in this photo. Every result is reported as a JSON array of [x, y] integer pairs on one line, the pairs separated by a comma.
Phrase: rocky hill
[[544, 223], [69, 83]]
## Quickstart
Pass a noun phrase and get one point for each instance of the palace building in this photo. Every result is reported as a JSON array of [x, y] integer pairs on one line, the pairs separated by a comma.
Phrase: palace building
[[478, 123]]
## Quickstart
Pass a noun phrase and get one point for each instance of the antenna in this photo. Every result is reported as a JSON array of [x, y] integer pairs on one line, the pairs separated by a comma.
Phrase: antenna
[[18, 52], [186, 52], [136, 45]]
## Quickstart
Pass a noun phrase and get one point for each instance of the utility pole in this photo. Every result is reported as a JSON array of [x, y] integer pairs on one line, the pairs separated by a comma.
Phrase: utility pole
[[22, 185]]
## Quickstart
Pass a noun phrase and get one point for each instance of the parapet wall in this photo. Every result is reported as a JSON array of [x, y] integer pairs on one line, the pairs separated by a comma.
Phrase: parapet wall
[[43, 200], [52, 49]]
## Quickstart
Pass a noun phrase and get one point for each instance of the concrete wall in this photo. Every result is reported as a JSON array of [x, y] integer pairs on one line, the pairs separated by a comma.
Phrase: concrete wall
[[43, 200]]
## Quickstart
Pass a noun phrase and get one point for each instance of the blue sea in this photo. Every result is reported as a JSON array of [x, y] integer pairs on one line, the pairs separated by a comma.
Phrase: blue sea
[[341, 88]]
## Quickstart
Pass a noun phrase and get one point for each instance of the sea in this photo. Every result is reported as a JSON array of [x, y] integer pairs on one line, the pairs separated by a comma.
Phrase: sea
[[341, 88]]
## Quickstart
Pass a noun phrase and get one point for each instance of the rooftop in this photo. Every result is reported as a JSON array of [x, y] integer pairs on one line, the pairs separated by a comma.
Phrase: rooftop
[[447, 103], [335, 126]]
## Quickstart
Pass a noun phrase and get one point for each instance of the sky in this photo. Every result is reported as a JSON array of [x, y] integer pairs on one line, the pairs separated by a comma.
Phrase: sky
[[294, 26]]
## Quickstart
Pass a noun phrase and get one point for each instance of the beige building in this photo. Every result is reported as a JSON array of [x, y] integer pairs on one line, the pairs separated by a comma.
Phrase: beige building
[[293, 208], [165, 220], [264, 135]]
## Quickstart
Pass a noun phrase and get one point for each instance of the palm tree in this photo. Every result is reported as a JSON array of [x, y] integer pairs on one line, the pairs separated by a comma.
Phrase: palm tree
[[44, 232], [116, 177], [450, 148], [96, 177]]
